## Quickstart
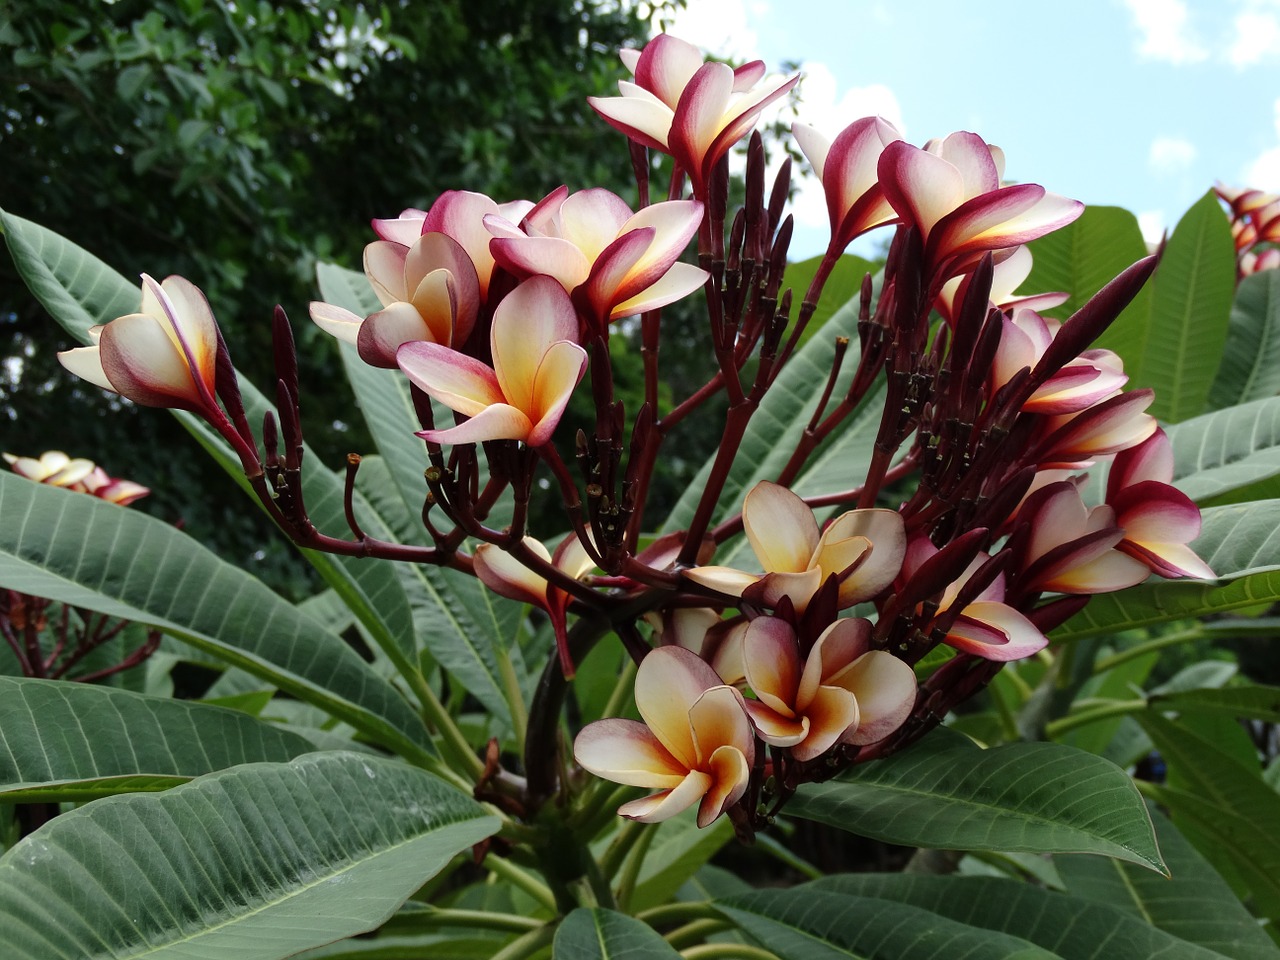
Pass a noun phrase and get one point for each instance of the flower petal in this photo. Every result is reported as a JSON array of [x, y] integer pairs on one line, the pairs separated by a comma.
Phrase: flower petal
[[336, 321], [508, 577], [669, 682], [662, 806], [831, 713], [1020, 637], [625, 751], [500, 421], [772, 657], [780, 527], [730, 773], [886, 690], [456, 380]]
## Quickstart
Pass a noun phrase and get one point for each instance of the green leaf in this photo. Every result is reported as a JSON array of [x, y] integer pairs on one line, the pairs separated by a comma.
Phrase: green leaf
[[1224, 451], [1252, 701], [678, 852], [596, 934], [1250, 367], [1172, 339], [842, 286], [1227, 803], [1083, 257], [90, 553], [1194, 903], [948, 793], [79, 291], [253, 863], [62, 741], [812, 924], [1071, 927]]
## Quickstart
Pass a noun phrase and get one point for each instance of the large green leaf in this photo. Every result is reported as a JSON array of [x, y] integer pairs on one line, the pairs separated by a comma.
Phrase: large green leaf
[[595, 934], [461, 623], [810, 924], [1190, 305], [1082, 257], [90, 553], [79, 291], [77, 741], [1224, 451], [1251, 701], [1070, 927], [1239, 542], [843, 285], [948, 793], [677, 852], [1226, 802], [1251, 358], [253, 863], [1194, 903]]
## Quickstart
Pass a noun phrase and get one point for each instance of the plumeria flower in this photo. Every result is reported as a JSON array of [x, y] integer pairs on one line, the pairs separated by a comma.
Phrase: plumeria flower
[[1251, 262], [536, 365], [843, 692], [987, 627], [56, 469], [164, 356], [429, 291], [508, 577], [1106, 427], [694, 746], [1071, 548], [459, 215], [615, 262], [1088, 379], [1158, 520], [1006, 277], [951, 193], [862, 548], [847, 168], [693, 110]]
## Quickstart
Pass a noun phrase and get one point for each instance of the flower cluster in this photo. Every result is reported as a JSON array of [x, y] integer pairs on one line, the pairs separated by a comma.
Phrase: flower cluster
[[83, 476], [1255, 227], [968, 533]]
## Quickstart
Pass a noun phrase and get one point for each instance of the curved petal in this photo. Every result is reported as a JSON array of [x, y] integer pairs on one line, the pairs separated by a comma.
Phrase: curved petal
[[680, 280], [771, 654], [192, 326], [86, 363], [508, 577], [799, 588], [718, 719], [971, 156], [437, 251], [700, 116], [886, 690], [459, 382], [1106, 573], [460, 214], [669, 682], [384, 266], [384, 332], [780, 528], [887, 533], [646, 121], [625, 751], [542, 256], [922, 188], [779, 730], [608, 280], [1020, 636], [813, 145], [336, 321], [404, 229], [142, 362], [662, 806], [666, 65], [831, 714], [1170, 560], [436, 300], [835, 650], [558, 374], [730, 772], [592, 219], [725, 580], [528, 322]]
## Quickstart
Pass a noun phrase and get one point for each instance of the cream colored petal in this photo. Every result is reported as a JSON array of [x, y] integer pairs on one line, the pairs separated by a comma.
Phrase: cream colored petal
[[142, 363], [663, 806], [669, 682], [530, 319], [718, 719], [772, 656], [625, 751], [505, 575], [725, 580], [558, 374], [886, 690], [336, 321], [775, 728], [780, 527], [730, 772], [835, 650], [498, 422], [832, 712], [458, 381], [86, 363], [384, 266]]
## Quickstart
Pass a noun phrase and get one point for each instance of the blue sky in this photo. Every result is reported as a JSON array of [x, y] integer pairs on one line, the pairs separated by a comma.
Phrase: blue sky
[[1136, 103]]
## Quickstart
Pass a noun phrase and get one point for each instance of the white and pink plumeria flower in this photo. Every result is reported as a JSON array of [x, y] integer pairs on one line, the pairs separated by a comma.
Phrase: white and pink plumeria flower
[[842, 692], [1090, 378], [1006, 277], [164, 356], [695, 744], [55, 468], [847, 169], [950, 192], [429, 291], [1107, 426], [536, 365], [1158, 520], [687, 107], [862, 549], [986, 627], [615, 262]]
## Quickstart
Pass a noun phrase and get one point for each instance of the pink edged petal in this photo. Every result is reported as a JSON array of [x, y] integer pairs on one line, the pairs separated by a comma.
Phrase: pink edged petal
[[680, 280], [674, 222], [336, 321], [813, 145], [772, 657], [669, 682], [730, 772], [780, 527], [852, 163], [530, 319], [1150, 460], [748, 75], [546, 256], [1106, 573], [436, 301], [725, 580], [1059, 517], [646, 121], [799, 588], [664, 805], [384, 266], [741, 115], [699, 116], [1006, 217], [558, 374], [1022, 638], [630, 58], [194, 328], [609, 279], [886, 690], [384, 332], [508, 577], [922, 188], [86, 363], [625, 751], [775, 728], [836, 648], [404, 229], [719, 719], [544, 216], [497, 422], [142, 362], [844, 559], [665, 66], [831, 714], [1155, 512], [459, 382], [437, 251], [971, 155], [728, 660], [885, 530], [460, 214], [1170, 560], [592, 219]]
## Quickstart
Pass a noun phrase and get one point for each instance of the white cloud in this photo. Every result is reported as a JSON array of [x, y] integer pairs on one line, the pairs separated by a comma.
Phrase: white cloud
[[1263, 172], [721, 27], [1153, 224], [1165, 31], [1171, 155], [1255, 33]]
